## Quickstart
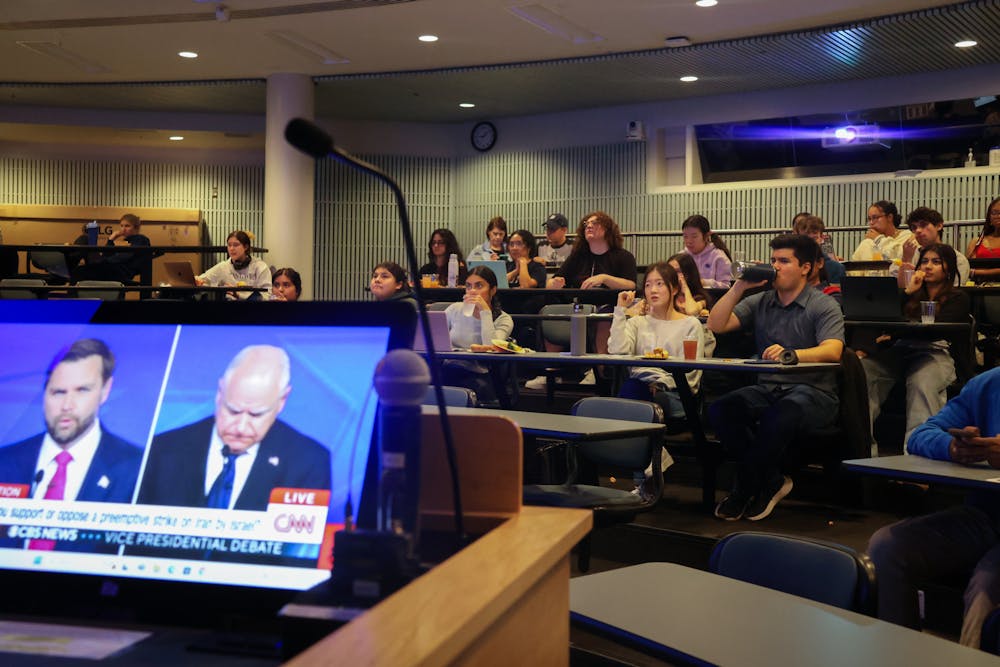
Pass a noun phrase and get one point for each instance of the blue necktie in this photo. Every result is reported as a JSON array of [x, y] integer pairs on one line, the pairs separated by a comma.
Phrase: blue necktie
[[222, 488]]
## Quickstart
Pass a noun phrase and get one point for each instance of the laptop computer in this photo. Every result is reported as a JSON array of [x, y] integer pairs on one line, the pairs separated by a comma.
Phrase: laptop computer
[[179, 274], [108, 551], [871, 298], [439, 333], [499, 268]]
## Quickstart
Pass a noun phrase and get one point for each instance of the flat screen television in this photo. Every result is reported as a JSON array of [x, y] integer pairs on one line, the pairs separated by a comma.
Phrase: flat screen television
[[213, 459]]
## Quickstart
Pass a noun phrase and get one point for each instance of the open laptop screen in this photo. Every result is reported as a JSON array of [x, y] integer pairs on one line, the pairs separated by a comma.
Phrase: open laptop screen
[[209, 443]]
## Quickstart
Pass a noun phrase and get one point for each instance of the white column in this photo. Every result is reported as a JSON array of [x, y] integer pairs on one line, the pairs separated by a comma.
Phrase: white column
[[289, 177]]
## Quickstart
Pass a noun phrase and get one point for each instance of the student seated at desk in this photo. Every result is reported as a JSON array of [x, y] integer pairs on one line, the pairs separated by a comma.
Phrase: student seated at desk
[[120, 266], [757, 423], [476, 320], [522, 271], [927, 365], [662, 327], [959, 541], [884, 239], [240, 270], [987, 244], [389, 283], [692, 299]]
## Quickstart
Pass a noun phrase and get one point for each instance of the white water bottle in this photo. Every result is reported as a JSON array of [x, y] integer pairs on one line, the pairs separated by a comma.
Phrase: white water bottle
[[453, 270]]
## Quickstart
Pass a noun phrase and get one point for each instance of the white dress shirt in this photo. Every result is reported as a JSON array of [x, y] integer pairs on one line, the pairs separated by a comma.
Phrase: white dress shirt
[[216, 461]]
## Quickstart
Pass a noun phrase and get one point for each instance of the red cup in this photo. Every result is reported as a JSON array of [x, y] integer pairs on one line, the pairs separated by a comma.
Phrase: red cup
[[690, 348]]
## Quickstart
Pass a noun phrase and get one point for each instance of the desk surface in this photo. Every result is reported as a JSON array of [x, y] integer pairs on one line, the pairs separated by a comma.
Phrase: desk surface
[[695, 615], [562, 427], [72, 247], [705, 364], [920, 469]]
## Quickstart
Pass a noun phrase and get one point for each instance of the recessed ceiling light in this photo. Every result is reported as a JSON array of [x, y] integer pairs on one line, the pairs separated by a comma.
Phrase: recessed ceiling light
[[706, 3], [187, 54], [965, 43], [176, 137], [428, 38], [466, 105], [689, 79]]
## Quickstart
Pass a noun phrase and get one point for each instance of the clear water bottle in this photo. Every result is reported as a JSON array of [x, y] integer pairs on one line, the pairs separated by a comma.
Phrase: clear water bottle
[[453, 270]]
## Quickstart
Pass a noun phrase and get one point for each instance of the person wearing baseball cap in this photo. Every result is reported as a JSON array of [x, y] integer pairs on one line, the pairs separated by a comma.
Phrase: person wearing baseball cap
[[554, 248]]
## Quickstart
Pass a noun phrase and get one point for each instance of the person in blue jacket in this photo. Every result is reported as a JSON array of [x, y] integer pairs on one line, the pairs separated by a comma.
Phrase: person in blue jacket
[[962, 541]]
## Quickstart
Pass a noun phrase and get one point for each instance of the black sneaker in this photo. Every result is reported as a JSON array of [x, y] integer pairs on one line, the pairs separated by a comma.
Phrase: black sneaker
[[776, 488], [732, 506]]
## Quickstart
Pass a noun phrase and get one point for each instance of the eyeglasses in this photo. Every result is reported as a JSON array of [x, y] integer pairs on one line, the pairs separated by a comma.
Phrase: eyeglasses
[[438, 242], [995, 213], [873, 218], [515, 244]]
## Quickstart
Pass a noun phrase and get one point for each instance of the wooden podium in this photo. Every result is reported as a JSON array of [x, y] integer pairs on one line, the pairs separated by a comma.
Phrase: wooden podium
[[503, 600]]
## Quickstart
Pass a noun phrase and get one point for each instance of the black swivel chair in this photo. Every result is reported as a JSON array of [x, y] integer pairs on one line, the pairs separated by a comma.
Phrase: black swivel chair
[[815, 569]]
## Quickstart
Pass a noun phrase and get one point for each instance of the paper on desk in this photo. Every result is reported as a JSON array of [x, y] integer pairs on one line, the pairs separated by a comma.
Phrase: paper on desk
[[70, 641]]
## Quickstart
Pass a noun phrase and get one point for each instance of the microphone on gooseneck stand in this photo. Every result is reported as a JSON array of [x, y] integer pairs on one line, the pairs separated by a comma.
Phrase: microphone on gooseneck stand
[[313, 140]]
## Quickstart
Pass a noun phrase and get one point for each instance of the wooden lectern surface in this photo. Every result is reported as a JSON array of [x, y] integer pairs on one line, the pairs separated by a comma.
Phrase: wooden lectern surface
[[504, 599]]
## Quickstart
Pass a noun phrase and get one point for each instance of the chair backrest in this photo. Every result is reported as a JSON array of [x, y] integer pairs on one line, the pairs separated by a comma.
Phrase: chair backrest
[[51, 261], [113, 293], [454, 397], [557, 331], [632, 453], [9, 288], [822, 571]]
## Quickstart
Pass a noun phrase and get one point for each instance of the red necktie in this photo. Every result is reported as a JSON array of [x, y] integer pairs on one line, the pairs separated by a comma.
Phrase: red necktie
[[55, 491]]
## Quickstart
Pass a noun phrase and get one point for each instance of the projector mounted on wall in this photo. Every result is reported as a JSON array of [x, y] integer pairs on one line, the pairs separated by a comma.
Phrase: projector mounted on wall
[[852, 137]]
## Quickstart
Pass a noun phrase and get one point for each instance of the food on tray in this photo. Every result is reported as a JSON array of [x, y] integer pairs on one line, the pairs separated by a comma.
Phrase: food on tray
[[656, 353]]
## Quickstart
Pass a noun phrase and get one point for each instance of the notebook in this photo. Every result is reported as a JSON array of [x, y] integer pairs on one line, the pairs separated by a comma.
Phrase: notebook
[[872, 298], [439, 333], [498, 267], [179, 274], [109, 549]]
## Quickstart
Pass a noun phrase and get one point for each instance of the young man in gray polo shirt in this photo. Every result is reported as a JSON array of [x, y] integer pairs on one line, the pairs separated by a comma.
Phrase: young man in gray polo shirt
[[756, 423]]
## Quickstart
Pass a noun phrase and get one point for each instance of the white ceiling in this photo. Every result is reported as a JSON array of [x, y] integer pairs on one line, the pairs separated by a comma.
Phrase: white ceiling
[[117, 53]]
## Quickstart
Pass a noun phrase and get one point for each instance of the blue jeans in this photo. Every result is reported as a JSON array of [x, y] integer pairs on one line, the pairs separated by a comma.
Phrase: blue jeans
[[757, 423], [668, 399]]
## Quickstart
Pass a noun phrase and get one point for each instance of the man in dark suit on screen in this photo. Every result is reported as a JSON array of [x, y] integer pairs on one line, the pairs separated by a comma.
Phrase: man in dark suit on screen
[[75, 458], [234, 459]]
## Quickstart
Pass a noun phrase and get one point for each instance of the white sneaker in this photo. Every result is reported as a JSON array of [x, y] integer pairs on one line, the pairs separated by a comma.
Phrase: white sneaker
[[536, 383], [588, 377]]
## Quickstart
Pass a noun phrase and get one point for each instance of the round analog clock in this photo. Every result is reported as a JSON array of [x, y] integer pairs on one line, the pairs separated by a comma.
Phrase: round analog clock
[[484, 136]]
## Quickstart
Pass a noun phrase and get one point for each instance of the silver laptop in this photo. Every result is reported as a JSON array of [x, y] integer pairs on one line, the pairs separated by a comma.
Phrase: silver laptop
[[179, 274], [499, 268], [439, 333]]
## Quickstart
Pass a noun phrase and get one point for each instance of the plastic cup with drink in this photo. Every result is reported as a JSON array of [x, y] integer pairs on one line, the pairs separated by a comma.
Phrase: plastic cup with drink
[[690, 346], [928, 311]]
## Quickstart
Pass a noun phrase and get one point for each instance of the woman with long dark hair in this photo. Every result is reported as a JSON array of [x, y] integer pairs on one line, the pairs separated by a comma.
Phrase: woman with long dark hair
[[987, 244], [522, 270], [441, 246], [926, 365], [476, 320], [691, 297], [708, 251]]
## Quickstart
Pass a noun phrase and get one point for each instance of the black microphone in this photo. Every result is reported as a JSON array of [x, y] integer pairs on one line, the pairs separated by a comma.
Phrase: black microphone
[[401, 380], [39, 476], [308, 138], [314, 141]]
